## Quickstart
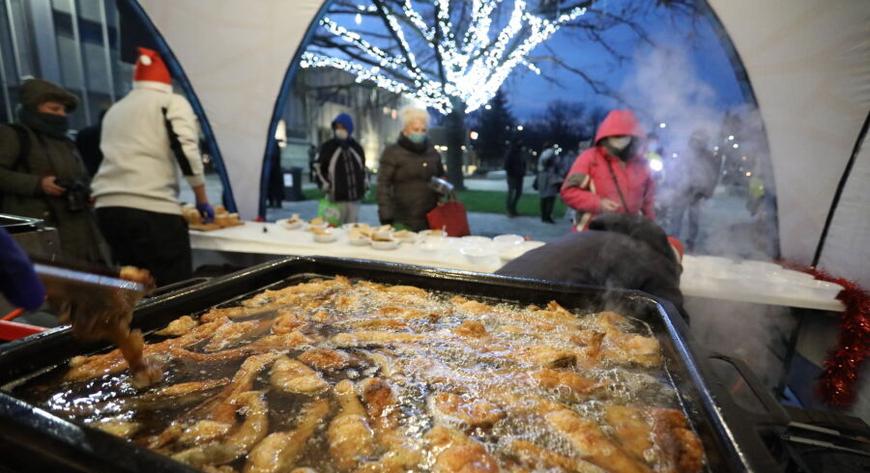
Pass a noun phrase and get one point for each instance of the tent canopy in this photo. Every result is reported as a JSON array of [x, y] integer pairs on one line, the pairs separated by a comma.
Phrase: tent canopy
[[806, 60]]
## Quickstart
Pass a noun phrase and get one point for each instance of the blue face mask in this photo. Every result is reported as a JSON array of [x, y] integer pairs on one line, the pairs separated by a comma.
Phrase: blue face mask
[[417, 138]]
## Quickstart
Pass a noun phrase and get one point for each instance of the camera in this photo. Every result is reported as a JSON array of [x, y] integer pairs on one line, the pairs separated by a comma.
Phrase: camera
[[77, 195]]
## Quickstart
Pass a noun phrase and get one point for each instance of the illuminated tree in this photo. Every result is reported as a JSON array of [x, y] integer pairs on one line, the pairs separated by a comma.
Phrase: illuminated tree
[[453, 56]]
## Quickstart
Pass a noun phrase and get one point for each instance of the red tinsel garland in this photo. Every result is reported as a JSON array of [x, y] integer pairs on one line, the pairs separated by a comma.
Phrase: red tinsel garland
[[838, 381]]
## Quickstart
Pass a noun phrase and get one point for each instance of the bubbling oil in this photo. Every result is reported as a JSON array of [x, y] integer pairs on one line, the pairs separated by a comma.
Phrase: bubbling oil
[[495, 364]]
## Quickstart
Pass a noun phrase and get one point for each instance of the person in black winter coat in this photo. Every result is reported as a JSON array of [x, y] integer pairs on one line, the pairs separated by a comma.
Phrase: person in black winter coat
[[700, 174], [515, 167], [619, 251], [341, 169], [405, 191], [275, 188]]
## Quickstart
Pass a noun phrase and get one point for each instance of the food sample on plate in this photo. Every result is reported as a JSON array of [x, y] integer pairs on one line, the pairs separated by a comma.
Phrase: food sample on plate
[[434, 233], [358, 234], [338, 375], [383, 236], [317, 222], [359, 230], [405, 235], [320, 230]]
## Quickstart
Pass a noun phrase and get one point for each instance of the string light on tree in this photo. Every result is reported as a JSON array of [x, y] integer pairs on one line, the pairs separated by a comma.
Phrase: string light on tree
[[472, 64]]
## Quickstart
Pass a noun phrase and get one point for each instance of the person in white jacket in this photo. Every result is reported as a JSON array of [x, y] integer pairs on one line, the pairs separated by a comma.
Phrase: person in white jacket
[[148, 138]]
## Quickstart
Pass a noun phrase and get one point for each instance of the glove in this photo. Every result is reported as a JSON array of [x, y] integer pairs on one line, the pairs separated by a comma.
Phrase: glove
[[18, 281], [206, 211]]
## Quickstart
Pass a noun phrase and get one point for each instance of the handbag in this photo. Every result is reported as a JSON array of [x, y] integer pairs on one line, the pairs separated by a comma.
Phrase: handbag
[[329, 212], [449, 216]]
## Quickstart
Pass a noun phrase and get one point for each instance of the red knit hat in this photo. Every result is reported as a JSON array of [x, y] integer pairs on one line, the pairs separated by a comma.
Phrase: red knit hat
[[150, 67], [678, 248]]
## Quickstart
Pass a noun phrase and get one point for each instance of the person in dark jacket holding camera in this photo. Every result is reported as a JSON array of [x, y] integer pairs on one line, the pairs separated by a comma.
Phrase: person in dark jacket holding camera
[[41, 174]]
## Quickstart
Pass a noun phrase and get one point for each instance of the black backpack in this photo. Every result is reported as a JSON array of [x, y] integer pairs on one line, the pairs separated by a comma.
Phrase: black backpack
[[23, 149]]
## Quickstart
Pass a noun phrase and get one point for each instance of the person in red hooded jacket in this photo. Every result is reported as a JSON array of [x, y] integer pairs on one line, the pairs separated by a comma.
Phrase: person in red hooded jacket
[[612, 175]]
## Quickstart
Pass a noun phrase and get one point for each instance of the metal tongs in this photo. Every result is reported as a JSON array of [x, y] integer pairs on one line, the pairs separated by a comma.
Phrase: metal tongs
[[97, 302], [66, 282]]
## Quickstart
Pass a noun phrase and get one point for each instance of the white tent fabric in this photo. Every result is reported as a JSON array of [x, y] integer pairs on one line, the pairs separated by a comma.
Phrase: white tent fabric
[[846, 252], [235, 54], [806, 59], [808, 64]]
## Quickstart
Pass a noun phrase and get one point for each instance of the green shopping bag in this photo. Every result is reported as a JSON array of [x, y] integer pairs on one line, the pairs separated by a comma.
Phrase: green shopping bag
[[329, 212]]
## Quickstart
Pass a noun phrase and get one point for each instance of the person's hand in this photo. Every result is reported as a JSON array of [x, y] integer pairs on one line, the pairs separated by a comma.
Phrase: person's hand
[[50, 187], [205, 209], [608, 205]]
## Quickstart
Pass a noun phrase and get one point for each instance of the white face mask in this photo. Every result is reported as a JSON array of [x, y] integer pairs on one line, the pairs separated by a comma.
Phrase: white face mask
[[341, 134], [619, 142]]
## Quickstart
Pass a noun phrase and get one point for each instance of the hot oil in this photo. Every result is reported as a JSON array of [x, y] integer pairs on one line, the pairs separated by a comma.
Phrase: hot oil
[[494, 367]]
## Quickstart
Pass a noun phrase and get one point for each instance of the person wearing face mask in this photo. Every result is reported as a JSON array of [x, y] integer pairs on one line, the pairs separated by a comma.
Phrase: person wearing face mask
[[612, 175], [341, 169], [406, 168], [42, 175]]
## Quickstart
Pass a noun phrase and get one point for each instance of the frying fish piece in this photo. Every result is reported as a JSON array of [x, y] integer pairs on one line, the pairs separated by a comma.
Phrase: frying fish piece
[[545, 356], [557, 314], [456, 453], [94, 366], [118, 428], [235, 312], [380, 404], [632, 349], [407, 290], [291, 376], [377, 324], [404, 313], [349, 435], [176, 395], [682, 451], [383, 410], [471, 328], [284, 342], [592, 444], [287, 321], [471, 306], [229, 334], [549, 378], [536, 458], [325, 359], [178, 327], [203, 431], [252, 405], [220, 408], [371, 337], [453, 410], [279, 451], [631, 428]]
